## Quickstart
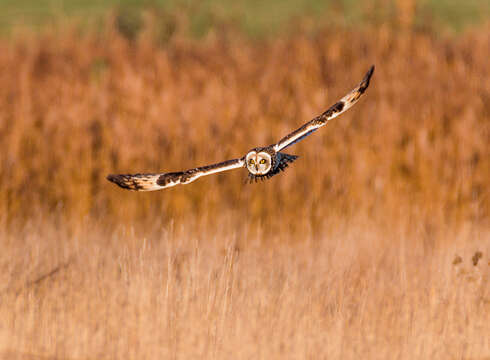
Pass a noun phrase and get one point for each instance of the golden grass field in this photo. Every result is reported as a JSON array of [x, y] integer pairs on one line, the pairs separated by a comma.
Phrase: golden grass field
[[354, 291], [374, 244]]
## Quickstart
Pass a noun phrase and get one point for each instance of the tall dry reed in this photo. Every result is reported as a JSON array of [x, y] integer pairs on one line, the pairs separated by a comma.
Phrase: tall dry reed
[[75, 107]]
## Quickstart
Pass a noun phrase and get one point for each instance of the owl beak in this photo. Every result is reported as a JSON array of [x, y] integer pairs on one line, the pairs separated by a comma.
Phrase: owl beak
[[256, 167]]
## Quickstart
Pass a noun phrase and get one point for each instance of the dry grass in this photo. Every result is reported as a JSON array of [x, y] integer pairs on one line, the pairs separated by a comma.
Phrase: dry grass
[[364, 248], [357, 290]]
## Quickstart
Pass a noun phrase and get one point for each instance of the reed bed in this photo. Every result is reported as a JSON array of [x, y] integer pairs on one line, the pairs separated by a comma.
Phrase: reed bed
[[75, 107]]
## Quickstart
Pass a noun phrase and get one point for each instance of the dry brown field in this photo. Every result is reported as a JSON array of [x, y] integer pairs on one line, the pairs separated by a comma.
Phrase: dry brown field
[[374, 244]]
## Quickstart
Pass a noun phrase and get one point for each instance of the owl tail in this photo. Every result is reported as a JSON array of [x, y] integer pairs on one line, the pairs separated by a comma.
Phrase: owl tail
[[285, 159]]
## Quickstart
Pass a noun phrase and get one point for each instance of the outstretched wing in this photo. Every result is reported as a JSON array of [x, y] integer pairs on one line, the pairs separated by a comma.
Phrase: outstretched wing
[[150, 182], [335, 110]]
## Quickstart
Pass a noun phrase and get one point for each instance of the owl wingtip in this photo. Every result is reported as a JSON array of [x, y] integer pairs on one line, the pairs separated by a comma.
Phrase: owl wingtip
[[116, 178], [369, 74], [122, 181], [365, 81], [112, 178]]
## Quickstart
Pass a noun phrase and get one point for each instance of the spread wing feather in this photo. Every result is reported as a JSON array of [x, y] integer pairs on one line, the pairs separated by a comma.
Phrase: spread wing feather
[[335, 110], [151, 182]]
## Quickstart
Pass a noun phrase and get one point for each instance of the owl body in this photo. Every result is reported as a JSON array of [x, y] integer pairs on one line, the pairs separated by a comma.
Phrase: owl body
[[264, 162], [261, 162]]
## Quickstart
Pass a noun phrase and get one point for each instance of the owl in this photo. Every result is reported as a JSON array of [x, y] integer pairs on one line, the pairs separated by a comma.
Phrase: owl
[[261, 162]]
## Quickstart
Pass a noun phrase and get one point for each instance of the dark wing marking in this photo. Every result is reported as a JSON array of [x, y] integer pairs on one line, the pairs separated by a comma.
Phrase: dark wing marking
[[335, 110], [151, 182]]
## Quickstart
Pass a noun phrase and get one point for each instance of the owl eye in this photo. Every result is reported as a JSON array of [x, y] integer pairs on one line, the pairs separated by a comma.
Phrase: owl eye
[[262, 161], [251, 161]]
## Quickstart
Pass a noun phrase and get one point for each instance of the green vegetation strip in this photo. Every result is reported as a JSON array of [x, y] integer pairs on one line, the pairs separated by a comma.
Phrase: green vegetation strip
[[255, 17]]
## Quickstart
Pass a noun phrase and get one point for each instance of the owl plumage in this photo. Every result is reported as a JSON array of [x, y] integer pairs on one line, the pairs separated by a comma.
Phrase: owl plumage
[[262, 162]]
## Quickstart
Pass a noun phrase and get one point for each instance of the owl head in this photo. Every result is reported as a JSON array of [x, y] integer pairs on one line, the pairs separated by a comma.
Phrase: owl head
[[258, 162]]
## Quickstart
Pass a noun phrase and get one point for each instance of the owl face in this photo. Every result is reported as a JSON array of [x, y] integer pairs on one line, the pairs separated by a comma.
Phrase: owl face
[[258, 163]]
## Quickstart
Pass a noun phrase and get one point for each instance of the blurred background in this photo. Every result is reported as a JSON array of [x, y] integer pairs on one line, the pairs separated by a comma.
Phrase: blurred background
[[97, 87], [256, 18], [383, 219]]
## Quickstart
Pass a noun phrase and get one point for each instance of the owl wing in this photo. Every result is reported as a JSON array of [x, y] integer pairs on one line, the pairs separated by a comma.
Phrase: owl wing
[[151, 182], [335, 110]]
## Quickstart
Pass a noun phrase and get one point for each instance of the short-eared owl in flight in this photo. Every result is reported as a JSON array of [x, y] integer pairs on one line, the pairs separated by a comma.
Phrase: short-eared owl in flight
[[261, 162]]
